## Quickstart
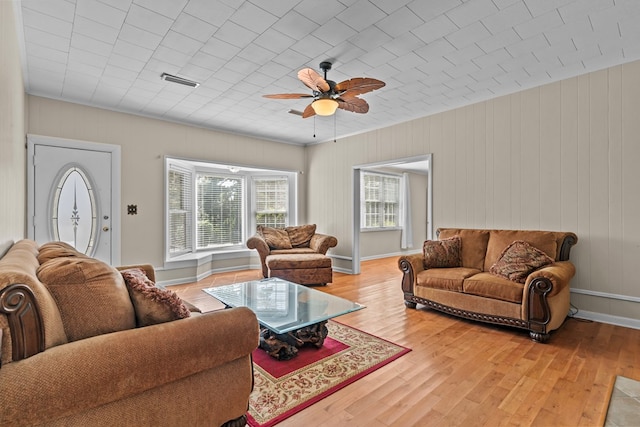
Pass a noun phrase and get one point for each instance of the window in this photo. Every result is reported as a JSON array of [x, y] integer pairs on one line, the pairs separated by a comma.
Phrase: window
[[272, 200], [219, 201], [179, 200], [380, 200], [74, 210], [225, 202]]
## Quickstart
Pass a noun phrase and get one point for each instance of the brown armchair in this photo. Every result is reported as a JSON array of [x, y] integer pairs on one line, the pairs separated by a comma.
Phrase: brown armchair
[[295, 253]]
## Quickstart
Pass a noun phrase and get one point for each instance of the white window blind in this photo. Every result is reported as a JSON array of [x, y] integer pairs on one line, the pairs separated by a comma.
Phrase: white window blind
[[220, 210], [271, 201], [180, 215], [380, 200]]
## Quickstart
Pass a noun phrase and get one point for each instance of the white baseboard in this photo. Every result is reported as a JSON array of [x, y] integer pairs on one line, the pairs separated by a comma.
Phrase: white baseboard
[[369, 258], [608, 318], [611, 319], [201, 276]]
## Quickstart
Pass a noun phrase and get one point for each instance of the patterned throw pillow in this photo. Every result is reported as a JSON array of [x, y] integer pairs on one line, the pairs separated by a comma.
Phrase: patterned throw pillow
[[276, 238], [152, 305], [442, 253], [518, 260], [300, 235]]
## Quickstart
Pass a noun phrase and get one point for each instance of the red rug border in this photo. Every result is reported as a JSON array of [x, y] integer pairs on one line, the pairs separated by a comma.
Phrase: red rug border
[[251, 422]]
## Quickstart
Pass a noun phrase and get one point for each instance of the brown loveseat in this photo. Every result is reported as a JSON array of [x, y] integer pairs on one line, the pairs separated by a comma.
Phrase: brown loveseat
[[295, 253], [82, 347], [517, 278]]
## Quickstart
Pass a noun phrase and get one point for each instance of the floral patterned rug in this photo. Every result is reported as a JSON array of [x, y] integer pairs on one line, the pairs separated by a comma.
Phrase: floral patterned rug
[[283, 388]]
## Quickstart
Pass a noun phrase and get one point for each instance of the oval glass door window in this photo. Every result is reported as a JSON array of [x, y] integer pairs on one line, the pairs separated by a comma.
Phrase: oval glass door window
[[74, 211]]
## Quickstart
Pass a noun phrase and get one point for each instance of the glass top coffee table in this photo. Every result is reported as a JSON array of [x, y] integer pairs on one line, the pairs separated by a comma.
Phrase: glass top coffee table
[[290, 315]]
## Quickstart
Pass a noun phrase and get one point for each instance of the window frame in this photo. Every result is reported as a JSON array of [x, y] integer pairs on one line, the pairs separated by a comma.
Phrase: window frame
[[249, 173], [382, 212], [254, 198], [189, 211]]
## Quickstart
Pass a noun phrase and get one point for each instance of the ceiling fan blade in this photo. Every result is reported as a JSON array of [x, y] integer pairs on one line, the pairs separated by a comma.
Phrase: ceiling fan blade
[[357, 105], [308, 112], [357, 86], [313, 80], [288, 96]]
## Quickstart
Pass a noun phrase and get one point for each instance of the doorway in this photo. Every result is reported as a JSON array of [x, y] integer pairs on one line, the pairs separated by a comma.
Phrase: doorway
[[73, 195], [418, 164]]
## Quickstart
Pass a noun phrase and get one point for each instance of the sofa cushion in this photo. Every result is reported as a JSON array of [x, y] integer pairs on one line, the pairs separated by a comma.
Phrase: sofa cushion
[[91, 295], [442, 253], [491, 286], [292, 261], [152, 304], [518, 260], [300, 235], [51, 250], [474, 245], [276, 238], [449, 279], [498, 241]]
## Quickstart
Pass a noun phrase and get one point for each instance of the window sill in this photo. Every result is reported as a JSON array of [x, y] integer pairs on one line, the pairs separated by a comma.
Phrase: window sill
[[203, 257], [368, 230]]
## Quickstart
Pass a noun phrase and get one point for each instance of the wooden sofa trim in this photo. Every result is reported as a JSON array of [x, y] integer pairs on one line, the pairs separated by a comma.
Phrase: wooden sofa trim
[[18, 303], [537, 330]]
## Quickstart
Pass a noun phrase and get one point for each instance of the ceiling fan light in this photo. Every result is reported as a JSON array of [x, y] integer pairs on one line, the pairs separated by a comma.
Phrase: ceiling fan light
[[325, 106]]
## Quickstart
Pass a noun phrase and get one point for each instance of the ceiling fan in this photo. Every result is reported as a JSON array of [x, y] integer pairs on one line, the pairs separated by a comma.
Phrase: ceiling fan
[[329, 95]]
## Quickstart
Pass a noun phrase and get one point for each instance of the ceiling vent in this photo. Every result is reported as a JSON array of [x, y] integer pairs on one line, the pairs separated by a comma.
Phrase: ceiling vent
[[179, 80]]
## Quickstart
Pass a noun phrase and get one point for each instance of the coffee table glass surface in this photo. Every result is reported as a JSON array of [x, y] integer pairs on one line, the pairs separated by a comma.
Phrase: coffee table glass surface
[[283, 306]]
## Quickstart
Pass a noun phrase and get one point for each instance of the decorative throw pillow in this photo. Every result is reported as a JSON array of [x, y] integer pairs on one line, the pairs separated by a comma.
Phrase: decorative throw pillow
[[277, 238], [442, 253], [518, 260], [300, 235], [90, 294], [152, 304]]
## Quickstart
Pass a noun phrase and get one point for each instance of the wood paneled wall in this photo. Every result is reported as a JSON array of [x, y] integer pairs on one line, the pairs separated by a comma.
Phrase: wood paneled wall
[[563, 156], [12, 126]]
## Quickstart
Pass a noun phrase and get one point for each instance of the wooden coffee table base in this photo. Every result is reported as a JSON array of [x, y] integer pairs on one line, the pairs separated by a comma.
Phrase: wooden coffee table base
[[285, 346]]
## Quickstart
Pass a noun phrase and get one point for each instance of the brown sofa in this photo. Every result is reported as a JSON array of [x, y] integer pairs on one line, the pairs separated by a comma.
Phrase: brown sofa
[[518, 278], [295, 253], [82, 346]]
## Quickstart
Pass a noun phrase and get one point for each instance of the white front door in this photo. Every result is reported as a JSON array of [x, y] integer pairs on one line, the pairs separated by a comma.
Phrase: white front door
[[71, 195]]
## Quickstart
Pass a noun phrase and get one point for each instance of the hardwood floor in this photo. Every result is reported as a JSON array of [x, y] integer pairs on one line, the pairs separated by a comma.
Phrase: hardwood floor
[[461, 373]]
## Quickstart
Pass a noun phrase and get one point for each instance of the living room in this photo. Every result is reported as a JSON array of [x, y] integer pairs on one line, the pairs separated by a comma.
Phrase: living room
[[560, 155]]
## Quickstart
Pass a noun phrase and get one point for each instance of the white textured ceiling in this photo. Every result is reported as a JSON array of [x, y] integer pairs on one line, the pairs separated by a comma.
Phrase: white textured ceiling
[[434, 55]]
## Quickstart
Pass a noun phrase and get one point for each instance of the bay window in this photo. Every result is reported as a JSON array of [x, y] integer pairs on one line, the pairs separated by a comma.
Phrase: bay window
[[225, 202]]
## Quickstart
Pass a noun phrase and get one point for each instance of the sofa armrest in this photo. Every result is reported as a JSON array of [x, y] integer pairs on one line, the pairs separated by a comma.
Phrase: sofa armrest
[[559, 275], [258, 243], [322, 242], [92, 372], [541, 285], [410, 265]]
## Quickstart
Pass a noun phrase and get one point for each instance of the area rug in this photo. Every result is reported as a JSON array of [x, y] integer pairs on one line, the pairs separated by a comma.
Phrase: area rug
[[283, 388], [624, 405]]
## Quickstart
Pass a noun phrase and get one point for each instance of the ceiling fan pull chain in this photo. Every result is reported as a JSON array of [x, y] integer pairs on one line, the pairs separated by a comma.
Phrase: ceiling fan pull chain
[[314, 126], [334, 128]]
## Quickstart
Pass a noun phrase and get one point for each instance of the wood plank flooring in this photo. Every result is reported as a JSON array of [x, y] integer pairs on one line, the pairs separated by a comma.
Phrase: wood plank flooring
[[460, 373]]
